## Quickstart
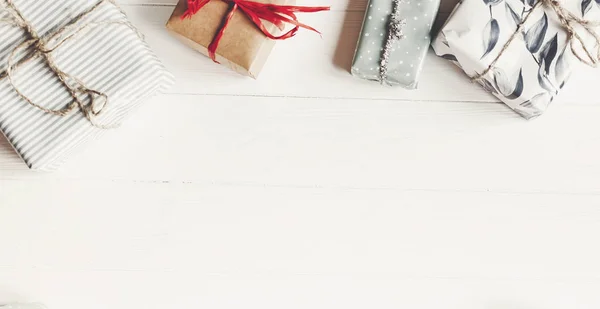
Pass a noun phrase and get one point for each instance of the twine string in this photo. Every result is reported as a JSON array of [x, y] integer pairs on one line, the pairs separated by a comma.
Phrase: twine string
[[44, 47], [568, 20]]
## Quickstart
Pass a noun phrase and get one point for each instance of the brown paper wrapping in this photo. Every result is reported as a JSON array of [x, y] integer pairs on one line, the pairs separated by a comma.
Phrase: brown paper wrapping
[[243, 47]]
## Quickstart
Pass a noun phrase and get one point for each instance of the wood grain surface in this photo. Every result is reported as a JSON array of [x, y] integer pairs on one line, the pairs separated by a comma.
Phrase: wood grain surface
[[309, 188]]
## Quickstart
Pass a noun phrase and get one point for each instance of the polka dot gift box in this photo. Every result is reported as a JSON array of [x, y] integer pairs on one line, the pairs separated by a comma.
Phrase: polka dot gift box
[[394, 41]]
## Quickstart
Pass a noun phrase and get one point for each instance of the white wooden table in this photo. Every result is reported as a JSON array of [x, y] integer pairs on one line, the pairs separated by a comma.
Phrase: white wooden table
[[311, 189]]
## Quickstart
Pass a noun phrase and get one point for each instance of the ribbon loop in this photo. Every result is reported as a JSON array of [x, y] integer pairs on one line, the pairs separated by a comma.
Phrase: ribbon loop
[[257, 12], [98, 101]]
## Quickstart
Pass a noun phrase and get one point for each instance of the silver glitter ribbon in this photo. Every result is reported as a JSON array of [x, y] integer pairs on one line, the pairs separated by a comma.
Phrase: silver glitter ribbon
[[395, 33]]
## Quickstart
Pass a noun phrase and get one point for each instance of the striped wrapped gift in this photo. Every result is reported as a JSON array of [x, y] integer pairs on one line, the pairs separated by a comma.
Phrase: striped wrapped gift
[[105, 53]]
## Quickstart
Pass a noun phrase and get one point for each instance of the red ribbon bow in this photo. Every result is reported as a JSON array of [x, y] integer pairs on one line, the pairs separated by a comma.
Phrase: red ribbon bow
[[278, 15]]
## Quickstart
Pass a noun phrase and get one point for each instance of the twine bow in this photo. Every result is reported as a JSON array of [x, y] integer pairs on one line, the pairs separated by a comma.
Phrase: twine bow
[[43, 47], [277, 15], [568, 21]]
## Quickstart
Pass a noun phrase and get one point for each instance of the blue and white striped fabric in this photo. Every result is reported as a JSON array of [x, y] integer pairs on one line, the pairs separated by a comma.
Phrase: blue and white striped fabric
[[111, 59]]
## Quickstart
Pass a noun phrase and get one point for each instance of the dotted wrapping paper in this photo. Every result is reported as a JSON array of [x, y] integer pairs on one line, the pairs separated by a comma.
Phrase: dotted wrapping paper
[[407, 54]]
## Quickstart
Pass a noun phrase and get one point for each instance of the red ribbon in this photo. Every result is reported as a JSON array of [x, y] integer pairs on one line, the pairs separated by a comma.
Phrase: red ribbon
[[278, 15]]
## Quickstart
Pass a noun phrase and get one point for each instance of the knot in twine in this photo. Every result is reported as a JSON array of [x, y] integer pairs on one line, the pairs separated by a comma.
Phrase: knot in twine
[[568, 21], [41, 47]]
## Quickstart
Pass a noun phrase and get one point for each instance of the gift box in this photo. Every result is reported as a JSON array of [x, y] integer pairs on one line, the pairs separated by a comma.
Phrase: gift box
[[237, 33], [520, 51], [394, 41], [69, 71]]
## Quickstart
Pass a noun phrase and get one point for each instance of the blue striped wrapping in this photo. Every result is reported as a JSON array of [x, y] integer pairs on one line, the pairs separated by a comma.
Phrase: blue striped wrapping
[[112, 59]]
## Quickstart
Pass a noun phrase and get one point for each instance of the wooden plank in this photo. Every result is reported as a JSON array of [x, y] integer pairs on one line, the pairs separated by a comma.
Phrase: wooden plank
[[287, 72], [336, 5], [343, 143], [121, 289], [311, 66], [312, 190], [118, 244]]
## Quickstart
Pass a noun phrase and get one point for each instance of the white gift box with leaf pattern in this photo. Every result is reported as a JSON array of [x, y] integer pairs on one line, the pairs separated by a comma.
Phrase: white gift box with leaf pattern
[[533, 67]]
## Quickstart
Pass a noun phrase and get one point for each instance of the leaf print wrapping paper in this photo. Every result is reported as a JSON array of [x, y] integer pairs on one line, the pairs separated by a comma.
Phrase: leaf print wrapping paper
[[111, 59], [536, 64]]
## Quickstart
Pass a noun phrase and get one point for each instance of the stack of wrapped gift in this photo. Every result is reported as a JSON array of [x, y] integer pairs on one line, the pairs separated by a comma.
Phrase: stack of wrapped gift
[[522, 51], [69, 70]]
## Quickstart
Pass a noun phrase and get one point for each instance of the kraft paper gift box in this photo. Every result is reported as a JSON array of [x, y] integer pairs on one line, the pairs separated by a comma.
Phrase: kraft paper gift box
[[243, 48], [528, 74], [407, 54], [101, 56]]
